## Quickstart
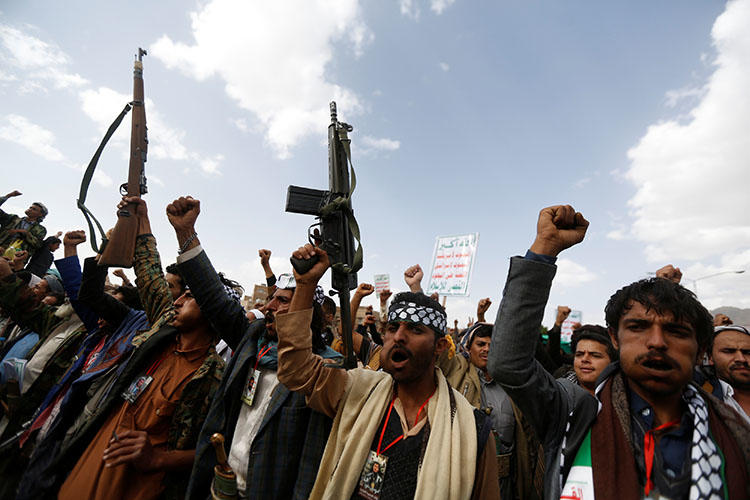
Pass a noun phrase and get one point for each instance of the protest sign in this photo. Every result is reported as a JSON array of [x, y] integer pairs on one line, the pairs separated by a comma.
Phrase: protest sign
[[382, 282], [566, 331], [452, 263]]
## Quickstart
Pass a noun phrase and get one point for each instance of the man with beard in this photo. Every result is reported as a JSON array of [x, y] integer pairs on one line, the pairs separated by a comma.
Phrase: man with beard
[[275, 441], [426, 439], [730, 355], [649, 432]]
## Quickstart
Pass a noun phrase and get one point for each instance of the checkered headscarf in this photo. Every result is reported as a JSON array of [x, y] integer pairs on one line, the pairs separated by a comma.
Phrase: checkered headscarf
[[418, 308]]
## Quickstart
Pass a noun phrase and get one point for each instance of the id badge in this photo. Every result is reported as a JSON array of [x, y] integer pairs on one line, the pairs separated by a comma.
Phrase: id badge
[[371, 480], [248, 396], [136, 388]]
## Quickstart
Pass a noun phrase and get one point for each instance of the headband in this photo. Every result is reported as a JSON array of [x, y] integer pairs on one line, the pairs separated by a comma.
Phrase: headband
[[414, 313]]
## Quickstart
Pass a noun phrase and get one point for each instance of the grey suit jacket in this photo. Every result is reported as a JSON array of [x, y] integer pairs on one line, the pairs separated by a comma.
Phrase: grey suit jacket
[[559, 411]]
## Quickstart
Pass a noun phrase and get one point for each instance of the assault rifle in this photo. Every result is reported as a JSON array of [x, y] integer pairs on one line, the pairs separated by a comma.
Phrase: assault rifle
[[120, 249], [337, 226]]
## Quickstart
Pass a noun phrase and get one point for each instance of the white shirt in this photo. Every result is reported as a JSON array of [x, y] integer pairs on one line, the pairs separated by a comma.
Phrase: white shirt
[[248, 424], [728, 391]]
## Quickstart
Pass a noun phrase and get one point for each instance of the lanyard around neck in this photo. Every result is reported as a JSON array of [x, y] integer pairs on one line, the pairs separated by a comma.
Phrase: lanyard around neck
[[388, 416]]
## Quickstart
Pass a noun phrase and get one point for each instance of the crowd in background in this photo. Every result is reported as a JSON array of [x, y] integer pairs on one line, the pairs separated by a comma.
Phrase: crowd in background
[[170, 388]]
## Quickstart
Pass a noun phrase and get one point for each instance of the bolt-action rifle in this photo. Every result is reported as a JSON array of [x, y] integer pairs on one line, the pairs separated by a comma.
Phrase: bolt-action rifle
[[337, 226], [120, 249]]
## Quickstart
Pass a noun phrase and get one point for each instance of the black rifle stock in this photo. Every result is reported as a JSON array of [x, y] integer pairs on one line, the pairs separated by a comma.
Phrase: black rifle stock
[[338, 228], [120, 248]]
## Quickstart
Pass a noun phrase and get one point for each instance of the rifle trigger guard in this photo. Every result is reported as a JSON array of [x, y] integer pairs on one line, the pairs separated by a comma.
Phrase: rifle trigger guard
[[124, 189]]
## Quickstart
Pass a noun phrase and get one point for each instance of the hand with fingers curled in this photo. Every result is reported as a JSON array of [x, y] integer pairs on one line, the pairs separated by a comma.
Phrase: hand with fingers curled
[[183, 212], [74, 238], [265, 256], [134, 448], [562, 314], [558, 227], [364, 289], [413, 277], [384, 296], [671, 273], [313, 275]]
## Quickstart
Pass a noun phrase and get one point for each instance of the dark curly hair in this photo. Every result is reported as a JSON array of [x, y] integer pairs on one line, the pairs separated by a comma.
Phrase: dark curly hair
[[662, 296], [130, 296]]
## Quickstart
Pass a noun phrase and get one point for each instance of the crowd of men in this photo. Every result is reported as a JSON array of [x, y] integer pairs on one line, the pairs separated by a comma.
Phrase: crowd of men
[[169, 388]]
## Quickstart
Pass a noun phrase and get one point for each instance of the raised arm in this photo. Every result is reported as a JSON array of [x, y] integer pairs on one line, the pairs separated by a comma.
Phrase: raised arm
[[362, 291], [200, 276], [92, 294], [300, 369], [542, 400], [149, 277], [69, 268]]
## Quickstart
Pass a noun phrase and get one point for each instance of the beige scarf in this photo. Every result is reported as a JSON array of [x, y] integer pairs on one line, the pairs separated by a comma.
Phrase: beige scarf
[[448, 467]]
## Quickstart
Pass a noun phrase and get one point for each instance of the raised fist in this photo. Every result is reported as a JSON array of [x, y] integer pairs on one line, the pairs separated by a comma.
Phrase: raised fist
[[385, 295], [671, 273], [74, 238], [413, 277], [13, 193], [722, 320], [483, 305], [364, 289], [264, 255], [562, 314], [558, 227], [183, 212]]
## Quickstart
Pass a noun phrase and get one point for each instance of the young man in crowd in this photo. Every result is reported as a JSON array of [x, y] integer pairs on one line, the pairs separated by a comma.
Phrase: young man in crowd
[[398, 433], [22, 233], [730, 356], [651, 432], [140, 440], [592, 353], [275, 441]]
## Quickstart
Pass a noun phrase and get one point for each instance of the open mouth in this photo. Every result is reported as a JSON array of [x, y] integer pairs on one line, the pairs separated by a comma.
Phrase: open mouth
[[658, 364], [399, 356]]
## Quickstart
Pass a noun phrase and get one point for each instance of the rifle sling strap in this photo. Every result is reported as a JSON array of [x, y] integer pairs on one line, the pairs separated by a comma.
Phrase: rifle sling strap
[[343, 203], [89, 174]]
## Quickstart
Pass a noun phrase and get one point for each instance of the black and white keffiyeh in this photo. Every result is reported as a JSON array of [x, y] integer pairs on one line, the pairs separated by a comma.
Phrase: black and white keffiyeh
[[415, 313], [705, 460]]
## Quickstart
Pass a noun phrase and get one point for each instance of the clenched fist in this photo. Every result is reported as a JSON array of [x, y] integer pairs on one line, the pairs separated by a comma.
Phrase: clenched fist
[[558, 227]]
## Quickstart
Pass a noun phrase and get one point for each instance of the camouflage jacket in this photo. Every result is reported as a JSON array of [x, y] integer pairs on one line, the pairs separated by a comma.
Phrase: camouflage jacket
[[30, 241]]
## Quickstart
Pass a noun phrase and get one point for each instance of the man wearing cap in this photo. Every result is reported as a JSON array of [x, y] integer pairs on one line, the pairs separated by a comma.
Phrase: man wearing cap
[[22, 233], [406, 421], [730, 356], [649, 431], [275, 440]]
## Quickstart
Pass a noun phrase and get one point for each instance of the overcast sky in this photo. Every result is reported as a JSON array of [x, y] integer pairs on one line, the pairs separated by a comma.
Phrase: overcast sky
[[469, 116]]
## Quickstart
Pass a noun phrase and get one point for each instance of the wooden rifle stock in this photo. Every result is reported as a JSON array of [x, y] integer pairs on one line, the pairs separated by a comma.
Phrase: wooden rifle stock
[[120, 249]]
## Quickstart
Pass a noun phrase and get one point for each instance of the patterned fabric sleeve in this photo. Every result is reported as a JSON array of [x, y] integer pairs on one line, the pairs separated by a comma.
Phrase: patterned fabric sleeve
[[35, 236], [40, 318], [152, 287]]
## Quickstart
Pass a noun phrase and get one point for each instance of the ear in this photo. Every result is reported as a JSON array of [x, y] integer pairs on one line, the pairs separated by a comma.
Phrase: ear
[[613, 337], [441, 345]]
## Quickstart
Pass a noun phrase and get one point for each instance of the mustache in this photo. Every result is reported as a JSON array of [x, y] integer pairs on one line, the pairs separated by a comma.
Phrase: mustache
[[657, 357], [739, 366], [269, 317]]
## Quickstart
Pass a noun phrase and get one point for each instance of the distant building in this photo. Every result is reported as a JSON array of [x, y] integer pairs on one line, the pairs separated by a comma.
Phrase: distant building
[[260, 294]]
